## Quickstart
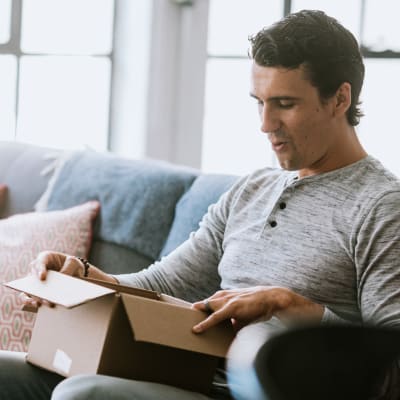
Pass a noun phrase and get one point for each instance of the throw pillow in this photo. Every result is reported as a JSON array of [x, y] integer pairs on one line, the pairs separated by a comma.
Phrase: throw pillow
[[130, 193], [22, 237], [192, 206]]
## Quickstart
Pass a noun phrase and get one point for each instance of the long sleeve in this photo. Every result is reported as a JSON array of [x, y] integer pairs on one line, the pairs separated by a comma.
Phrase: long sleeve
[[191, 271], [377, 255], [332, 238]]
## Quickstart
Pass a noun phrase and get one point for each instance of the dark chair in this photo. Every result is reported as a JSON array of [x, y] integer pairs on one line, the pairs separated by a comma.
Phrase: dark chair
[[324, 363]]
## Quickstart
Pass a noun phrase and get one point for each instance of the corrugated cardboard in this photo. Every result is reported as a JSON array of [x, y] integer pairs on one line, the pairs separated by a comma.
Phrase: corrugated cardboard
[[119, 331]]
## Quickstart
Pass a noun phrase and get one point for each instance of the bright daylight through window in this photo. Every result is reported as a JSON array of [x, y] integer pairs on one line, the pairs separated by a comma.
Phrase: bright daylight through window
[[56, 80], [59, 74], [231, 123]]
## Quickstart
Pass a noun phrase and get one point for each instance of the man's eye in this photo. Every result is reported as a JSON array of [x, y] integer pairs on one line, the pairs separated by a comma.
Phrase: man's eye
[[286, 104]]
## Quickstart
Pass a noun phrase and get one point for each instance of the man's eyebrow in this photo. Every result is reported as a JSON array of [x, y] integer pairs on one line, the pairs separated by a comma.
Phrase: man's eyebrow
[[275, 98]]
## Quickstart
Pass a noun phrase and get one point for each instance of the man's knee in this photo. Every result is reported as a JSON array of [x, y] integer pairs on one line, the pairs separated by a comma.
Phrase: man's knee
[[79, 387], [100, 387], [11, 360], [20, 380]]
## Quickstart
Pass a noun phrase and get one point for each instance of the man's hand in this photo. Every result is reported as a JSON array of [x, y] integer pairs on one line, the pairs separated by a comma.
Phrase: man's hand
[[244, 306], [63, 263], [45, 261], [60, 262]]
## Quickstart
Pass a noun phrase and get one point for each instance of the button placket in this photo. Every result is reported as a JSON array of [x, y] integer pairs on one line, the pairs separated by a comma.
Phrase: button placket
[[282, 205]]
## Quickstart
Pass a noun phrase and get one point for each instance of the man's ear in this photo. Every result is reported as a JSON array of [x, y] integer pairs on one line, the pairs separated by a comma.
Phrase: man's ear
[[343, 98]]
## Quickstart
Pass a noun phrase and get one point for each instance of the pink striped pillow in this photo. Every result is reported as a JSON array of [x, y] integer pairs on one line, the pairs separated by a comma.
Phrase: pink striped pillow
[[22, 237]]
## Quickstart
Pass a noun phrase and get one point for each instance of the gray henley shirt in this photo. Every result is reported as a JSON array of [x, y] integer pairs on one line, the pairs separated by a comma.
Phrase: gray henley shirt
[[333, 238]]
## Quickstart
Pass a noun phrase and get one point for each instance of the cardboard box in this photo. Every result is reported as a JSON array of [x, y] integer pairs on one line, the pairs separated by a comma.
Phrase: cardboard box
[[120, 331]]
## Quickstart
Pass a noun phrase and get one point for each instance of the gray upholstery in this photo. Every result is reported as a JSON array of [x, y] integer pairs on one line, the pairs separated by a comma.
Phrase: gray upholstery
[[116, 259], [21, 168]]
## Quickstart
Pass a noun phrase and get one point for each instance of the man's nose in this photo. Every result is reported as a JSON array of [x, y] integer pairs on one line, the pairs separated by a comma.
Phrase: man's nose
[[270, 121]]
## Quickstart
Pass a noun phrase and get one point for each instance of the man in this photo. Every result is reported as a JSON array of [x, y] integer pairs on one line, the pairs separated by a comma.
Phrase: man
[[315, 241]]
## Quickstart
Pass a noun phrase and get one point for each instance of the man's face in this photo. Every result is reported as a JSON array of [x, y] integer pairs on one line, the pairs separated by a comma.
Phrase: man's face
[[299, 125]]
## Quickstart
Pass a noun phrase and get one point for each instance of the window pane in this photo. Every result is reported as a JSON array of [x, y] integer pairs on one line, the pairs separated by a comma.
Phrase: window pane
[[382, 30], [232, 21], [345, 11], [8, 79], [232, 141], [5, 19], [67, 26], [379, 130], [63, 101]]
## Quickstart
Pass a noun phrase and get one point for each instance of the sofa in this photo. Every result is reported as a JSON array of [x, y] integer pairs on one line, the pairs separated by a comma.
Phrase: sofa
[[121, 214]]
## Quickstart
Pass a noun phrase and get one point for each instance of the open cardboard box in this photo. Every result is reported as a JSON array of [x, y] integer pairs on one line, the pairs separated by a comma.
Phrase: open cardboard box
[[102, 328]]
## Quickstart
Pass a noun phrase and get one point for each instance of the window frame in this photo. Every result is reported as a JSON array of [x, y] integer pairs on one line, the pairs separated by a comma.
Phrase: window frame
[[13, 47]]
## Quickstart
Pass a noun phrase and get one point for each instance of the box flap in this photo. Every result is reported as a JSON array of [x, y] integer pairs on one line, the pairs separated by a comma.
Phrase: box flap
[[60, 289], [171, 325], [151, 294], [174, 300]]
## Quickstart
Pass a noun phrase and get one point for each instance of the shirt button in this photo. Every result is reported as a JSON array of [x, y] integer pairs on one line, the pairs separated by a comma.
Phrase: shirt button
[[273, 224], [282, 206]]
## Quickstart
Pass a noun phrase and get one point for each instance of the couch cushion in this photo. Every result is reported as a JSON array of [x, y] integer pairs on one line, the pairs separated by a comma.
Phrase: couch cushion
[[26, 170], [205, 190], [137, 198], [116, 259], [22, 237]]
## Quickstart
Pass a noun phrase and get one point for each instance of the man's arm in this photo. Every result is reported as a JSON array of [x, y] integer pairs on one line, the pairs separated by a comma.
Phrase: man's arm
[[190, 272], [377, 260]]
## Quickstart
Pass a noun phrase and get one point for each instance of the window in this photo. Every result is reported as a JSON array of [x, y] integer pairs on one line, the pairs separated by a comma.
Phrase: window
[[381, 22], [375, 25], [232, 141], [5, 19], [8, 80], [55, 68]]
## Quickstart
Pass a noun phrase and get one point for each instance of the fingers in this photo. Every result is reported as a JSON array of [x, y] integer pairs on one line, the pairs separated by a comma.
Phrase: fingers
[[215, 301], [29, 303], [63, 263], [241, 306], [212, 306], [39, 269], [221, 306], [204, 305], [45, 260], [213, 319], [32, 303]]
